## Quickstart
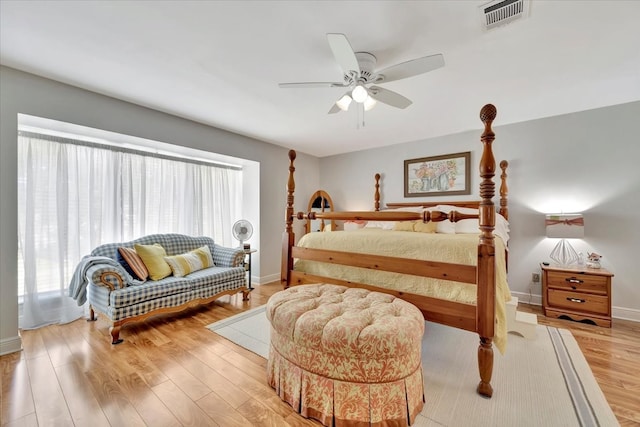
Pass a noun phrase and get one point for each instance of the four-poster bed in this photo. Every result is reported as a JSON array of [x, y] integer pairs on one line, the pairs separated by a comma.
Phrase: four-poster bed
[[481, 273]]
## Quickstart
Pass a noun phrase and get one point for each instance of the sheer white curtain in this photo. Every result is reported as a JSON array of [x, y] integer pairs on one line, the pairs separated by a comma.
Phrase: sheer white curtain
[[74, 196]]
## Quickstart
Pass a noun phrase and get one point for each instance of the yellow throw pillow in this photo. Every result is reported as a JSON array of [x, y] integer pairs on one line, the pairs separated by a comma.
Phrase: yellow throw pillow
[[153, 258], [425, 227], [403, 226], [197, 259]]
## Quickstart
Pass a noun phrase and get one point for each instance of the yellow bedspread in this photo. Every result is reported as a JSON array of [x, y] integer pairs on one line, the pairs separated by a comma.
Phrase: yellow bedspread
[[452, 248]]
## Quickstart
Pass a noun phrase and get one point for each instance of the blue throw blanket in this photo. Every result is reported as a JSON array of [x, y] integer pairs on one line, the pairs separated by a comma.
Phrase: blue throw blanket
[[79, 280]]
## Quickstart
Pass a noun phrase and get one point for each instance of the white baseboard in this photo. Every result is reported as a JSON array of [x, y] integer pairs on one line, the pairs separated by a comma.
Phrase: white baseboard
[[10, 345], [527, 298], [622, 313], [265, 279], [625, 313]]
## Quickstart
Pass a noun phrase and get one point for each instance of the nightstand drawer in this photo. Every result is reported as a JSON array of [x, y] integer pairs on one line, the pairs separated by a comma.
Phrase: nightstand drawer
[[577, 282], [578, 301]]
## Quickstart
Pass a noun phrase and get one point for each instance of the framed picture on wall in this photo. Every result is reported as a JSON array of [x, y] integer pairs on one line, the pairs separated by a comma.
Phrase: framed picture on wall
[[438, 175]]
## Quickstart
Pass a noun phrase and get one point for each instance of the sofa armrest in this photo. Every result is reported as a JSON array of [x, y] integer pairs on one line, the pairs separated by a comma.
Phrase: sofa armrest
[[228, 257], [108, 276]]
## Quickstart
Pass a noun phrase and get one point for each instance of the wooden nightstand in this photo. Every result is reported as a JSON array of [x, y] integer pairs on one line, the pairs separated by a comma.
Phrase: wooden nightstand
[[577, 293]]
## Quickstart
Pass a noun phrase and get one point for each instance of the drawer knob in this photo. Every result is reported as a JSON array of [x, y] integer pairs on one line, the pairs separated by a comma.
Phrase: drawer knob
[[573, 280], [578, 300]]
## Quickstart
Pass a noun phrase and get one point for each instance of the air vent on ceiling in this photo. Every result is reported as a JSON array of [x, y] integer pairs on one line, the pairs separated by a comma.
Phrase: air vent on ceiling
[[500, 12]]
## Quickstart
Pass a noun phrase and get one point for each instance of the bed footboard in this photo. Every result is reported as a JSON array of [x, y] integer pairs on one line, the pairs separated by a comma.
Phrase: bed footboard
[[478, 318]]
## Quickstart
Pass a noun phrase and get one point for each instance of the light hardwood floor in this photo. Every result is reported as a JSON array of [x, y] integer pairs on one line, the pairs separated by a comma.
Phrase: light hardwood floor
[[172, 371]]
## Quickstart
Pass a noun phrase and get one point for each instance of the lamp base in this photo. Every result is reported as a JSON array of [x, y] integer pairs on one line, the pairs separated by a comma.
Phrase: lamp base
[[564, 254]]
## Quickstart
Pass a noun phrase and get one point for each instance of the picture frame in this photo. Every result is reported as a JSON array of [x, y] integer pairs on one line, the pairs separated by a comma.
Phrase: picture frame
[[449, 175]]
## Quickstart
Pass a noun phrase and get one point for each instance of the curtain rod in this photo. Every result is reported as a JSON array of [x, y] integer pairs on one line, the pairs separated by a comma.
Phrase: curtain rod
[[115, 148]]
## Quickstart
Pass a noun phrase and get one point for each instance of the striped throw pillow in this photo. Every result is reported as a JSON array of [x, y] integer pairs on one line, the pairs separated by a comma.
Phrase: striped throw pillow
[[132, 262], [198, 259]]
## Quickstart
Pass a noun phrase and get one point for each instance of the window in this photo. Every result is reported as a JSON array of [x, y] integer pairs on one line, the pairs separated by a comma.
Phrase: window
[[74, 195]]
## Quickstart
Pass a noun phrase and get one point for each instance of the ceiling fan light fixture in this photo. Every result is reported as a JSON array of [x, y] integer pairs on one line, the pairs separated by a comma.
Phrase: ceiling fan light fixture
[[369, 103], [344, 102], [359, 94]]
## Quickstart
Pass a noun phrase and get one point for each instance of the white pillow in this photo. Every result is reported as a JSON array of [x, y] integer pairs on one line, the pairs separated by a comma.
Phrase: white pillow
[[449, 208], [389, 225], [385, 225], [445, 227], [406, 209], [354, 225], [472, 226]]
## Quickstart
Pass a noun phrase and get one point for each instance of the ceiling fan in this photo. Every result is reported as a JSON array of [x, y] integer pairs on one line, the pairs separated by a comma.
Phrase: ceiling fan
[[361, 78]]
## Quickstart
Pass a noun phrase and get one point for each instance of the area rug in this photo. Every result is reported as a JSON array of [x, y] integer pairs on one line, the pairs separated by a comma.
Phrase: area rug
[[541, 382]]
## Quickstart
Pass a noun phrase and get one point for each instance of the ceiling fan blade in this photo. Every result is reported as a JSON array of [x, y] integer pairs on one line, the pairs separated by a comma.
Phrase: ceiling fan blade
[[343, 52], [334, 109], [389, 97], [311, 84], [412, 68]]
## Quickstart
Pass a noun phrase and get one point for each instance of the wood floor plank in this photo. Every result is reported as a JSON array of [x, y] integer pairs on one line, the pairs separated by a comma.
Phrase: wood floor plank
[[221, 412], [151, 409], [78, 394], [220, 385], [146, 368], [30, 420], [56, 346], [258, 388], [16, 397], [243, 359], [48, 399], [32, 344], [113, 401], [187, 382], [182, 406], [261, 415]]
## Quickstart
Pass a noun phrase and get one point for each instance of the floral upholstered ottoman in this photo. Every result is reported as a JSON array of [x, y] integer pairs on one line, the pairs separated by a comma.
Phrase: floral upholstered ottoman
[[346, 356]]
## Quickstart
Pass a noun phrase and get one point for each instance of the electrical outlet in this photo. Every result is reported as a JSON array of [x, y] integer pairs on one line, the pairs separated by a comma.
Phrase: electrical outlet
[[535, 277]]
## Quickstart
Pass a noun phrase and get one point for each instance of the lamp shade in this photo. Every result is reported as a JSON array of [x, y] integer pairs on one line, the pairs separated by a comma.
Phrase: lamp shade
[[359, 93], [369, 103], [565, 226], [343, 103]]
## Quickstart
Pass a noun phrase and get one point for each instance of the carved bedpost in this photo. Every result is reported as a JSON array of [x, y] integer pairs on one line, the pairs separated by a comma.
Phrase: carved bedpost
[[376, 196], [288, 237], [486, 303], [504, 190]]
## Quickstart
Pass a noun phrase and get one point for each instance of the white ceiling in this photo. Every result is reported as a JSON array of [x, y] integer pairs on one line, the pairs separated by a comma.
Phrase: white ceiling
[[220, 62]]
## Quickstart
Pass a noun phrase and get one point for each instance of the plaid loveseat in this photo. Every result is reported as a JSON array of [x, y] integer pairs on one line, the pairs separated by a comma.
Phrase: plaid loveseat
[[122, 299]]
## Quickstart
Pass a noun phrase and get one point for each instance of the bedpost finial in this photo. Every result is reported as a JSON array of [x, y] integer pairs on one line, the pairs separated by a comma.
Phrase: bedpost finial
[[292, 155], [504, 164], [488, 113]]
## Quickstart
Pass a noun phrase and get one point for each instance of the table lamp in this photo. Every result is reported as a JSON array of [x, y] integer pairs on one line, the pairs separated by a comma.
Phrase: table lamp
[[564, 226]]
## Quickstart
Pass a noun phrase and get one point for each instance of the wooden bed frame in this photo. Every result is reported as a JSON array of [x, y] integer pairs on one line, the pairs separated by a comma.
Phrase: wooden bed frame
[[478, 318]]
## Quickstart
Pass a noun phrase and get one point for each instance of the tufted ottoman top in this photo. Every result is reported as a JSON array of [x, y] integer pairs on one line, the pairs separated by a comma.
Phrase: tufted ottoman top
[[346, 333]]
